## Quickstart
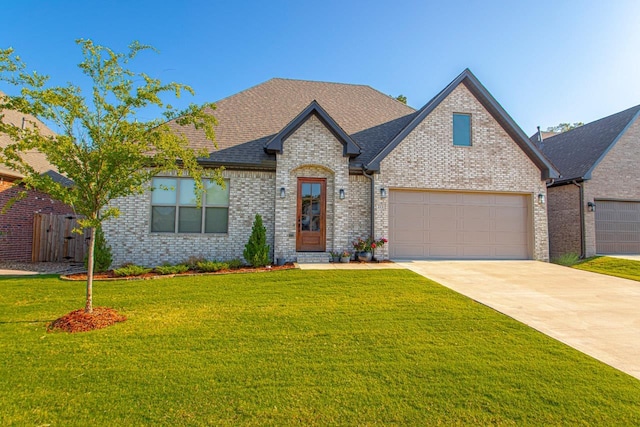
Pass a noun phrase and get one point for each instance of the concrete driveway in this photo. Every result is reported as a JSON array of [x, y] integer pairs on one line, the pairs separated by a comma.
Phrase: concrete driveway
[[596, 314]]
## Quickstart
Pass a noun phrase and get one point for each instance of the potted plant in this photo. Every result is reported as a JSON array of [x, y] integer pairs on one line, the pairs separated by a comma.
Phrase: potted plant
[[365, 247], [335, 256], [345, 257]]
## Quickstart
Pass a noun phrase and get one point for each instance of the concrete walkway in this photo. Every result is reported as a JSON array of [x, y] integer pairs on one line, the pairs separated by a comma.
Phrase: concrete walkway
[[596, 314]]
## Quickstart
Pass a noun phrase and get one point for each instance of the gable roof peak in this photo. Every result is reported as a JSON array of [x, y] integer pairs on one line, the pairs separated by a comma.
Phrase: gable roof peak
[[476, 88], [274, 145], [578, 151]]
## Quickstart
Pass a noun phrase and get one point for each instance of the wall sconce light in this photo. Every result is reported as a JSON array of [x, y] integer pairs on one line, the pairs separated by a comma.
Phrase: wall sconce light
[[383, 193], [591, 207], [283, 192], [541, 198], [341, 194]]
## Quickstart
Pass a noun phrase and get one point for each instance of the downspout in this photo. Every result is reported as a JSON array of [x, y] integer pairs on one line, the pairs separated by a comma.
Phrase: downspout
[[372, 227], [583, 243]]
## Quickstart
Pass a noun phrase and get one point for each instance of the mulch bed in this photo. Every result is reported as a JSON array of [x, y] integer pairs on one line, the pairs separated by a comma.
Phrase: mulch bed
[[109, 275], [79, 321]]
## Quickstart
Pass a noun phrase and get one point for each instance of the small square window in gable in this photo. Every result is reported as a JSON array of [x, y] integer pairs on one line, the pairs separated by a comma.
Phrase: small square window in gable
[[462, 130]]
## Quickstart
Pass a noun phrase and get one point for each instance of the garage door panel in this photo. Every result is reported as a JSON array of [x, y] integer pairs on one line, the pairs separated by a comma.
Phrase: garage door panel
[[439, 223], [477, 224], [442, 237], [442, 211], [456, 225], [440, 198], [442, 251], [506, 239], [410, 251], [476, 212], [617, 227]]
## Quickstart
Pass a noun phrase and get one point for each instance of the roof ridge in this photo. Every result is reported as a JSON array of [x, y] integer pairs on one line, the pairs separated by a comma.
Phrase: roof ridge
[[584, 126]]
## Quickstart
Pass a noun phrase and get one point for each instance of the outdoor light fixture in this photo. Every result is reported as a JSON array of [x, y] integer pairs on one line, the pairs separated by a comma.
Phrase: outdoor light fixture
[[591, 206], [541, 198], [383, 193], [283, 193], [341, 193]]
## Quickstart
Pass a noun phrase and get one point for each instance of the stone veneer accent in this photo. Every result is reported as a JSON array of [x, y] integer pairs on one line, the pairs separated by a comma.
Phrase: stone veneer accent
[[131, 240], [427, 159], [616, 177]]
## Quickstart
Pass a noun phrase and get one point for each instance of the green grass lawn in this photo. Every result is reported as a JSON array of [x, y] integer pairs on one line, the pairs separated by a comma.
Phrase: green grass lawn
[[292, 347], [625, 268]]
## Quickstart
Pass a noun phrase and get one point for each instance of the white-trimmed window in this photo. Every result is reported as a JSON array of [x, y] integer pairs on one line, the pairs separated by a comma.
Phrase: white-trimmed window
[[174, 208]]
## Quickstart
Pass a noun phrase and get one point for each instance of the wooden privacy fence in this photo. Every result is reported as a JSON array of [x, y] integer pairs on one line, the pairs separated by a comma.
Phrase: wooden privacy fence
[[55, 241]]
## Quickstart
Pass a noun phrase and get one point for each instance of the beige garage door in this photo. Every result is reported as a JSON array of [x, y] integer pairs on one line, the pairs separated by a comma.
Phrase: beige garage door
[[452, 225], [617, 227]]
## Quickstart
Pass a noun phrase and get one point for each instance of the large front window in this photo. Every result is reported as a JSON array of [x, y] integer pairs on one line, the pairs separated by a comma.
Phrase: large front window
[[174, 208]]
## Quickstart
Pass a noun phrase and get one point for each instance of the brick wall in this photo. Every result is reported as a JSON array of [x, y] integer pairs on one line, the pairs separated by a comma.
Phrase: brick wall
[[564, 220], [617, 176], [131, 240], [16, 226], [312, 151], [427, 159]]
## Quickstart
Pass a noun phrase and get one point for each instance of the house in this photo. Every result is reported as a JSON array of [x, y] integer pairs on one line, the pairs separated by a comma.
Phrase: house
[[594, 206], [325, 163], [16, 225]]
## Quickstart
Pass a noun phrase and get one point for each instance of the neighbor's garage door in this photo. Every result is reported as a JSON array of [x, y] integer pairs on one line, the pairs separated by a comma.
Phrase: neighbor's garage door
[[617, 227], [452, 225]]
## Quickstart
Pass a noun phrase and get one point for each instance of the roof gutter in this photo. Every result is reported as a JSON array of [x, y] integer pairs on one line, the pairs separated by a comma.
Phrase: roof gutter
[[583, 243]]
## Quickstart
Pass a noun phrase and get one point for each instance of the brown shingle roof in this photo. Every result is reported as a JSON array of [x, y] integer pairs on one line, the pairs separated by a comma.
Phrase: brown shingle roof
[[248, 118], [36, 159]]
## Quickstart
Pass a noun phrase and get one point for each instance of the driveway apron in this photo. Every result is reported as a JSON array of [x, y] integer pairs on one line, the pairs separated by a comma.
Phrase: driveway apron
[[596, 314]]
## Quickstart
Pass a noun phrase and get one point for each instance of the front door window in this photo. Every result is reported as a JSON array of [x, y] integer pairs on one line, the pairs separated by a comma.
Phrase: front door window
[[311, 214]]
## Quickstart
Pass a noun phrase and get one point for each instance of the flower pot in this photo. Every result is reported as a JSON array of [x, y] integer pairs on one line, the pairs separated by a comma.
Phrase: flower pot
[[364, 256], [280, 261], [345, 259], [335, 259]]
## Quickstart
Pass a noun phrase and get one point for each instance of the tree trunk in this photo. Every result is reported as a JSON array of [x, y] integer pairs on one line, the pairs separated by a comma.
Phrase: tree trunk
[[88, 308]]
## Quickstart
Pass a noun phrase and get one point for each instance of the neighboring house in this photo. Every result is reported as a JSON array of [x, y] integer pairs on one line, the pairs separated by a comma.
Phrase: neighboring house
[[325, 163], [16, 225], [594, 206]]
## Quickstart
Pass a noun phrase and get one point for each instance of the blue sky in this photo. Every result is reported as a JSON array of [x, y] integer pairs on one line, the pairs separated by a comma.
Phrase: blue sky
[[545, 61]]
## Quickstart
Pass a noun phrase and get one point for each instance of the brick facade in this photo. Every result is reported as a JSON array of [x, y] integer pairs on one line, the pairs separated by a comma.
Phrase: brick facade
[[565, 228], [427, 159], [616, 177], [312, 151], [132, 241], [16, 226]]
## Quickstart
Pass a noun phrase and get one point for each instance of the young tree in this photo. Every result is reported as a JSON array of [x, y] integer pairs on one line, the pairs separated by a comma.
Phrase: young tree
[[102, 146], [563, 127], [256, 251]]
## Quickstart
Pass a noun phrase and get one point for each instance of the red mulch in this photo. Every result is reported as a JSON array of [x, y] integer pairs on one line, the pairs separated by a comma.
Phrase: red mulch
[[79, 321], [110, 275]]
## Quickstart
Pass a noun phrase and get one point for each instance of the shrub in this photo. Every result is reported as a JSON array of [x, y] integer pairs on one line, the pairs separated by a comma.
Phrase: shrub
[[131, 270], [192, 262], [102, 258], [567, 259], [236, 263], [256, 251], [172, 269], [212, 266]]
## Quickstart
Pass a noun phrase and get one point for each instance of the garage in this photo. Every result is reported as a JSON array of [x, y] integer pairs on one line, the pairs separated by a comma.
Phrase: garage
[[617, 227], [458, 225]]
